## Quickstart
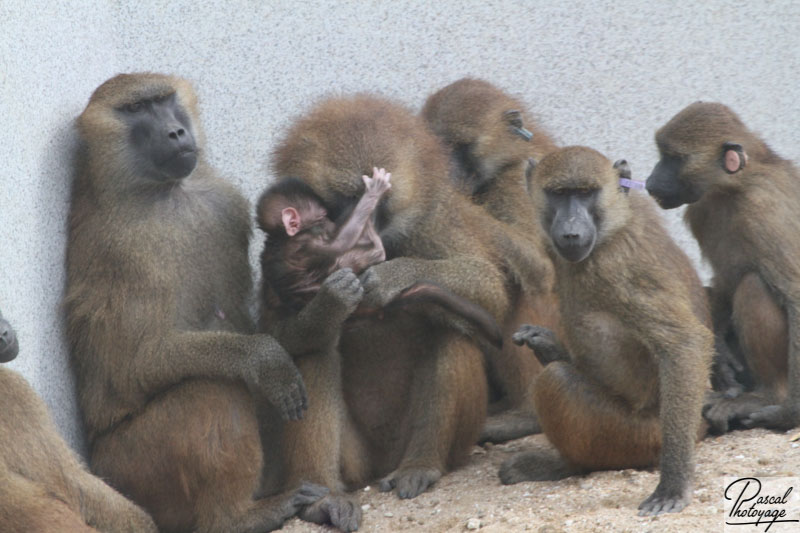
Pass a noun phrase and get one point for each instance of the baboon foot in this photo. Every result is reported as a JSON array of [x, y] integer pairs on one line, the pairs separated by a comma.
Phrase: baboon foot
[[665, 500], [535, 465], [723, 413], [410, 482], [341, 511]]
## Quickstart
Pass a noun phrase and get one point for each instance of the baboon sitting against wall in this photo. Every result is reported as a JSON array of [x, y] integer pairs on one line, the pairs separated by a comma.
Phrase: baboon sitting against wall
[[43, 485], [625, 389], [743, 210], [170, 380]]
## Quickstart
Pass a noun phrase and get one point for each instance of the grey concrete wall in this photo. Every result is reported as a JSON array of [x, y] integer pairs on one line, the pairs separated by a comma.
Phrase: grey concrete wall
[[601, 75]]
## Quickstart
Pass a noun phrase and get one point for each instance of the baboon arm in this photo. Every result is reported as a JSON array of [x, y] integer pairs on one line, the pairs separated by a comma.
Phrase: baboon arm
[[181, 355], [469, 276], [683, 348], [527, 260], [313, 329]]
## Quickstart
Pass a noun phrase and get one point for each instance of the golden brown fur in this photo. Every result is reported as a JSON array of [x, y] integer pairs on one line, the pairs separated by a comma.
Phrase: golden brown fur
[[489, 163], [747, 226], [43, 485], [414, 391], [156, 311], [633, 315]]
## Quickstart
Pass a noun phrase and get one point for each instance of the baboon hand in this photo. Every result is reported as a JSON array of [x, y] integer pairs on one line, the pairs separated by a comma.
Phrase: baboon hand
[[379, 183], [665, 499], [274, 376], [542, 341], [380, 285], [774, 417], [344, 290]]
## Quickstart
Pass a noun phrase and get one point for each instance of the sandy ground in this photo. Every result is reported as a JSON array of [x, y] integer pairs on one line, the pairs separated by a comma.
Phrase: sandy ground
[[472, 497]]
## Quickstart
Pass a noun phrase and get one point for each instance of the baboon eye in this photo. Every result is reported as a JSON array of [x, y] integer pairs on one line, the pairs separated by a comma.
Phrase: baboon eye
[[134, 107]]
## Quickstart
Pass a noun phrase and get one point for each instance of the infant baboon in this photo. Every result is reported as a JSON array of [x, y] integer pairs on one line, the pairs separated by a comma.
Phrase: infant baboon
[[625, 389], [743, 210], [43, 485], [170, 380], [304, 246]]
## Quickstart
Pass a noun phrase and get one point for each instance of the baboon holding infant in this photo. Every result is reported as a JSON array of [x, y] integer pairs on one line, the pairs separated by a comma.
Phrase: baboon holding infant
[[625, 388], [407, 399], [43, 485], [171, 381]]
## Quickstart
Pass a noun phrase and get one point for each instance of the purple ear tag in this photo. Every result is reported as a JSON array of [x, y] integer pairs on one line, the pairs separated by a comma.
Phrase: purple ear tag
[[631, 184]]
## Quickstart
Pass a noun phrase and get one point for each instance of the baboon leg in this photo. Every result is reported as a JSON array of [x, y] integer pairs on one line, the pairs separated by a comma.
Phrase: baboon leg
[[27, 507], [193, 459], [514, 370], [313, 446], [763, 337], [448, 407], [763, 334], [105, 508], [592, 429]]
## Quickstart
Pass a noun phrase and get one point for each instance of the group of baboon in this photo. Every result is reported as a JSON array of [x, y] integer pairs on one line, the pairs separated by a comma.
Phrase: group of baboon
[[429, 282]]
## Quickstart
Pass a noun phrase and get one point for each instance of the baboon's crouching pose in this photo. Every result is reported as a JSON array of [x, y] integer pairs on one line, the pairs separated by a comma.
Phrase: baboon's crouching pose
[[626, 388], [743, 209]]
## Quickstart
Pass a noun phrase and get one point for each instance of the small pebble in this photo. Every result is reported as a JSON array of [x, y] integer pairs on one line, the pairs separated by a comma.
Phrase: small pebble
[[388, 514], [473, 523], [366, 489], [365, 507]]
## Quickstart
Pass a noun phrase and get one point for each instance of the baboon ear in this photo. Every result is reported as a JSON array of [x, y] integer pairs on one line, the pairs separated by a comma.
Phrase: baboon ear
[[624, 173], [514, 119], [623, 168], [291, 221], [734, 158]]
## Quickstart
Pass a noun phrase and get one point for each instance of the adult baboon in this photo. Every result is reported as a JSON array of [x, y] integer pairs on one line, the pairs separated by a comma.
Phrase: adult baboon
[[414, 390], [627, 386], [43, 485], [169, 380], [743, 204], [491, 138]]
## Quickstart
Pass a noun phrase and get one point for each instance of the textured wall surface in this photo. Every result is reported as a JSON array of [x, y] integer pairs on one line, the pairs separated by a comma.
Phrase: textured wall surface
[[604, 76]]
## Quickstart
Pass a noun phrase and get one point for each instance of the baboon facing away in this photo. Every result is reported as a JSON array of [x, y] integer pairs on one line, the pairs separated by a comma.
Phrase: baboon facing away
[[491, 138], [170, 380], [43, 485], [412, 395], [743, 204], [625, 388]]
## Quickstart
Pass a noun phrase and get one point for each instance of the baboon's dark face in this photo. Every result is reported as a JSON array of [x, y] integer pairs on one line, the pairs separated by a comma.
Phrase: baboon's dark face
[[572, 217], [8, 341], [160, 133], [669, 185]]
